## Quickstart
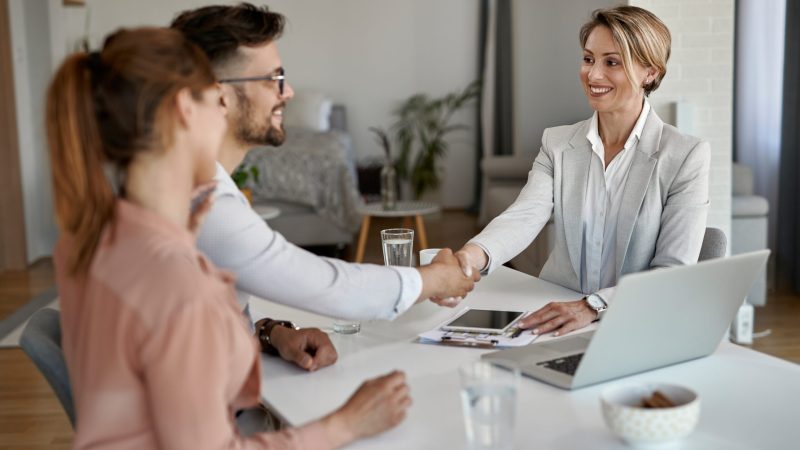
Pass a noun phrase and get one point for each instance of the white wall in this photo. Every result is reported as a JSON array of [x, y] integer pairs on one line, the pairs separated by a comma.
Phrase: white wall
[[367, 54], [700, 75], [547, 58], [33, 63], [371, 54]]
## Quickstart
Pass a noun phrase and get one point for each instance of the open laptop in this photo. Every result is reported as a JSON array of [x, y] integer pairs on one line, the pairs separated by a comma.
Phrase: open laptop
[[656, 318]]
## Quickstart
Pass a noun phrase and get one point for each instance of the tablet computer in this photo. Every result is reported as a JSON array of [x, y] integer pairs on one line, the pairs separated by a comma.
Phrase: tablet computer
[[483, 321]]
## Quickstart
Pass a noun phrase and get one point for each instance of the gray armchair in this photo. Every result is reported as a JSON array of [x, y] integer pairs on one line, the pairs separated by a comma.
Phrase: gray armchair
[[503, 178], [41, 341]]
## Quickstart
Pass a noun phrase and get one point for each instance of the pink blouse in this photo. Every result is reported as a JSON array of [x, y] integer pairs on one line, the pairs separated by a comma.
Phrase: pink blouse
[[158, 353]]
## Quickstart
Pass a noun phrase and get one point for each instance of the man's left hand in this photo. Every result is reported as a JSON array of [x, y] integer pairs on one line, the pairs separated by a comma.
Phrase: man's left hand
[[309, 348]]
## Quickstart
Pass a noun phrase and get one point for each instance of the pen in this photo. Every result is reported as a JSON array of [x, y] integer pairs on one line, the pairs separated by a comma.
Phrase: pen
[[447, 340]]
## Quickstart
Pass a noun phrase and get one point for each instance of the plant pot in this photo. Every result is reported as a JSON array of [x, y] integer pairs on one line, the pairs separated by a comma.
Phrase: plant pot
[[248, 194]]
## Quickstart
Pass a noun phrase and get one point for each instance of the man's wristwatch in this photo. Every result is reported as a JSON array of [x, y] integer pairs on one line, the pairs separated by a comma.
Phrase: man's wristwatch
[[597, 304], [264, 330]]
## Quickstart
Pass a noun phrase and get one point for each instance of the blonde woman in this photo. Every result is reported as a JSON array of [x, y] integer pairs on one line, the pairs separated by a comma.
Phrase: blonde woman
[[627, 192]]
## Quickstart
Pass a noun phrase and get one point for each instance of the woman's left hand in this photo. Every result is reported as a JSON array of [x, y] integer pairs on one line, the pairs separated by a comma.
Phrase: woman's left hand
[[562, 317]]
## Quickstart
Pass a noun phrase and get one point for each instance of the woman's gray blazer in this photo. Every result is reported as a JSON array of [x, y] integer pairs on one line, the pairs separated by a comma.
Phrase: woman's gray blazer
[[662, 218]]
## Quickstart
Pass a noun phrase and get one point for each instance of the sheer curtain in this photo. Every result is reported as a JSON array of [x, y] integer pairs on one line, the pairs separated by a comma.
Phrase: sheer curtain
[[496, 132], [759, 91]]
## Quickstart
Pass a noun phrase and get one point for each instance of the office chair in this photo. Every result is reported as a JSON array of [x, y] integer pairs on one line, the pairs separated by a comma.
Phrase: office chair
[[715, 244], [41, 341]]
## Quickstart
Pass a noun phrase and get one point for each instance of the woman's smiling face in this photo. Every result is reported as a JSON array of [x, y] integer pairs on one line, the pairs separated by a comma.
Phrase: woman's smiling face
[[603, 76]]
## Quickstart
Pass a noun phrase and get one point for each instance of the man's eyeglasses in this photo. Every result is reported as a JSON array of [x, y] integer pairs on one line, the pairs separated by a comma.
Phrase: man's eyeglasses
[[280, 77]]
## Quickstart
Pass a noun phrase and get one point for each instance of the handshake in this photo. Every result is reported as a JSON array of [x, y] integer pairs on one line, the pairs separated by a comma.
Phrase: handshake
[[450, 276]]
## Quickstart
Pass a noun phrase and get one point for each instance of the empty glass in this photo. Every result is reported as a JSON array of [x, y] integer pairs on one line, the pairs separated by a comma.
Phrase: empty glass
[[489, 404], [343, 326]]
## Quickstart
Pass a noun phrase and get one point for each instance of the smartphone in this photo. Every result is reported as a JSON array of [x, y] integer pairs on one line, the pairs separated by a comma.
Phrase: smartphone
[[483, 321]]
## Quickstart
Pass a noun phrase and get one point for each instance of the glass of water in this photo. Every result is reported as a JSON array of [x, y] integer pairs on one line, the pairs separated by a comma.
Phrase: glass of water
[[489, 404], [397, 250], [398, 245]]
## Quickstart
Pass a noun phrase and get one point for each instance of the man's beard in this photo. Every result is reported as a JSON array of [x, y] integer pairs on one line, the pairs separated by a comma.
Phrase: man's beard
[[247, 128]]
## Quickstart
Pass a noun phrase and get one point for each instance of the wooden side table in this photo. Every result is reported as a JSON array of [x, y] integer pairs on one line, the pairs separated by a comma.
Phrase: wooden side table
[[404, 210]]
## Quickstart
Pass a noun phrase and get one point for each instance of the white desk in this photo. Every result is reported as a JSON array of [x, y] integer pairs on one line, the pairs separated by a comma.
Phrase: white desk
[[749, 400]]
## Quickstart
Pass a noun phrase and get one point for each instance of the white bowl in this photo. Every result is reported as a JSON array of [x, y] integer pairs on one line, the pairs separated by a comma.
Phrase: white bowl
[[650, 427]]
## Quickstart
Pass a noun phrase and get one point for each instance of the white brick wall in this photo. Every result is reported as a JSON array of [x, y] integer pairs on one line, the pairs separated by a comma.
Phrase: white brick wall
[[700, 74]]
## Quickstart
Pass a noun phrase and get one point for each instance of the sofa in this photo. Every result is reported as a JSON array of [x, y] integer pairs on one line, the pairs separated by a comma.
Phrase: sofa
[[504, 177], [311, 178], [749, 226]]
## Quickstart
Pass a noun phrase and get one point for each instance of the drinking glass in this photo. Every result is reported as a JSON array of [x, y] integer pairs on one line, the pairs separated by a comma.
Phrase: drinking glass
[[398, 244], [343, 326], [489, 403], [397, 247]]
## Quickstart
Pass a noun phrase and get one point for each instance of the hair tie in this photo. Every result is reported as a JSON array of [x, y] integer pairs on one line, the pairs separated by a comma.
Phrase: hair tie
[[95, 63]]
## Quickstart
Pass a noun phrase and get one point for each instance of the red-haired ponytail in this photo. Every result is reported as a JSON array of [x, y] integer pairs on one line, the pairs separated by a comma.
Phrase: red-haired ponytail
[[104, 109], [84, 199]]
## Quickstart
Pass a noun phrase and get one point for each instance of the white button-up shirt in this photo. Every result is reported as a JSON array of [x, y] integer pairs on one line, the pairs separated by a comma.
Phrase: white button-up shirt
[[235, 238], [604, 190]]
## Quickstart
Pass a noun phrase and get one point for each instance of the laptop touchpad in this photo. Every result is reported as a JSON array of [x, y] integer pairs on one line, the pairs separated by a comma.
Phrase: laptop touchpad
[[574, 344]]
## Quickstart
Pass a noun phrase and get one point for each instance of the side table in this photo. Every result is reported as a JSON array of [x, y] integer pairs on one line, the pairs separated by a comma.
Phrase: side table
[[404, 210]]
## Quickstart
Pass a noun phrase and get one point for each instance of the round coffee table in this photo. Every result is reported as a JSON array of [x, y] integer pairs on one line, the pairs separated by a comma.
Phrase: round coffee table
[[404, 210]]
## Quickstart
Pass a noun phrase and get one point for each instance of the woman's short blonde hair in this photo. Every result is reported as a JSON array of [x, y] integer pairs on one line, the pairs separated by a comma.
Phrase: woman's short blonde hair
[[641, 37]]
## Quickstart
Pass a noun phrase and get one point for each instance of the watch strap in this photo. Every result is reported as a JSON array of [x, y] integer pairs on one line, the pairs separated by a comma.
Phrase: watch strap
[[264, 329]]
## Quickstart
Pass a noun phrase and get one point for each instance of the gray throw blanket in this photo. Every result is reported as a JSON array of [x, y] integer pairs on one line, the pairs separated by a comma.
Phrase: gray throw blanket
[[312, 168]]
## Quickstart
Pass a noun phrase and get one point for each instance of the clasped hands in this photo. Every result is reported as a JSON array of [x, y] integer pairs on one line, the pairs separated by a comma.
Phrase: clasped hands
[[446, 280]]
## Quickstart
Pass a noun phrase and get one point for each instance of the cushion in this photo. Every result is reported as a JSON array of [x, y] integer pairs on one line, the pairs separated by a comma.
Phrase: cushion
[[749, 206], [742, 179], [308, 110]]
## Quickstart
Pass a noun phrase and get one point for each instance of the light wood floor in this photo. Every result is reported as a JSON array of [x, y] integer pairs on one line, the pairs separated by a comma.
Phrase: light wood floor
[[31, 416]]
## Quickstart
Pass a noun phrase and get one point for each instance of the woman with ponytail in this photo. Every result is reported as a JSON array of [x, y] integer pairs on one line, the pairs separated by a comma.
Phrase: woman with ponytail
[[157, 351]]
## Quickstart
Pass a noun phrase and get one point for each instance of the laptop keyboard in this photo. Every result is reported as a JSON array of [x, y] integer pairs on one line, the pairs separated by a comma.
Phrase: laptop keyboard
[[567, 364]]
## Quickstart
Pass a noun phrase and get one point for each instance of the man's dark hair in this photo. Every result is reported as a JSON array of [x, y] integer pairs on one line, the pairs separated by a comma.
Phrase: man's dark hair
[[220, 30]]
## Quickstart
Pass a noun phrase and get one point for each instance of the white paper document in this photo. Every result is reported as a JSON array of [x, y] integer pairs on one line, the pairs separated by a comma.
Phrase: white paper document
[[513, 338]]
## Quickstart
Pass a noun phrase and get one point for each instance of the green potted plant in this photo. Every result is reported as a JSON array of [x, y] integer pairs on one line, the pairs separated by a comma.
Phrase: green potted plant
[[242, 174], [420, 129]]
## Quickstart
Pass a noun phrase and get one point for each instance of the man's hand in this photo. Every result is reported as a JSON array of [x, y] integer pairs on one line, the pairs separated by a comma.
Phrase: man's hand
[[309, 348], [562, 317], [444, 278], [469, 260]]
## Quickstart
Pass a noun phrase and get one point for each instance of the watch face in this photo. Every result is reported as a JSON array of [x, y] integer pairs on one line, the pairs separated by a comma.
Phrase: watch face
[[595, 302]]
